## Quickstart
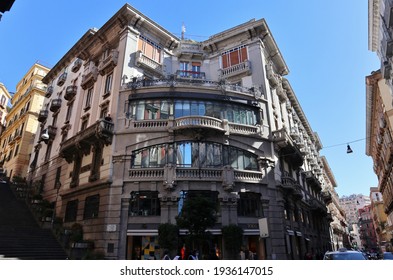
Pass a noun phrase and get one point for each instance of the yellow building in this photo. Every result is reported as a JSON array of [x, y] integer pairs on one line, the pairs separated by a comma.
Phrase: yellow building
[[22, 122]]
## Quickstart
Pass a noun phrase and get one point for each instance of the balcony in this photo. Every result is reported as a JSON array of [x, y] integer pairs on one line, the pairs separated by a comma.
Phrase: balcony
[[327, 197], [43, 115], [70, 92], [100, 131], [148, 64], [52, 130], [55, 105], [49, 91], [62, 79], [180, 74], [90, 76], [48, 134], [108, 63], [290, 185], [199, 124], [312, 180], [243, 68], [189, 50], [287, 148], [317, 206], [77, 65]]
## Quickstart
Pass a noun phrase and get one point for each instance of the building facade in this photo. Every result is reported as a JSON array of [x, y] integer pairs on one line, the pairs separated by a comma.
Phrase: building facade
[[21, 122], [380, 221], [379, 101], [5, 100], [137, 121], [367, 230], [338, 224]]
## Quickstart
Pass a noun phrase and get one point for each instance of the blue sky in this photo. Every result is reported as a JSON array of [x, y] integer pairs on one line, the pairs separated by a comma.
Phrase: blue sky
[[324, 44]]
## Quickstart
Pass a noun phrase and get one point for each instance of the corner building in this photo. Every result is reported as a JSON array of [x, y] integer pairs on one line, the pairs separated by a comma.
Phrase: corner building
[[215, 118]]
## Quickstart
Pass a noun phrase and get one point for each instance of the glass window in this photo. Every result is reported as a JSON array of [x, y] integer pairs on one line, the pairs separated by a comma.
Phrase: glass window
[[108, 84], [183, 69], [89, 96], [144, 203], [194, 154], [92, 204], [249, 205], [71, 211]]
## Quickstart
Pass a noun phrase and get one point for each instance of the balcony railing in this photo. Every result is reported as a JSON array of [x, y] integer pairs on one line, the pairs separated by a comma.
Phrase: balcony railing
[[43, 115], [101, 130], [287, 147], [49, 91], [238, 69], [52, 130], [108, 63], [198, 122], [55, 105], [148, 63], [62, 79], [172, 81], [90, 77], [70, 92], [312, 180], [77, 65], [182, 74]]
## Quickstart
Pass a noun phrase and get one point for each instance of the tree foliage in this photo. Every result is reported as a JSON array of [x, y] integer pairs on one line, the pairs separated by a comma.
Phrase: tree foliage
[[233, 238], [198, 214], [168, 236]]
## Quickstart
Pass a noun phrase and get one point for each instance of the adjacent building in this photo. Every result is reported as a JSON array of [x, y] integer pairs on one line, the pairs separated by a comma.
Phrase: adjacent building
[[22, 122], [380, 221], [5, 98], [379, 101], [367, 230], [338, 224], [136, 121]]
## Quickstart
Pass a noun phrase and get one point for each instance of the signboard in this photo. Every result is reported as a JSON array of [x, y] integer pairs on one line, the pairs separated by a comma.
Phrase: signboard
[[263, 229]]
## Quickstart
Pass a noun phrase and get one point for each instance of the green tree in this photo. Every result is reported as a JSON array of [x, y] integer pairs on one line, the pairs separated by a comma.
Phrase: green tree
[[233, 238], [197, 214], [168, 235]]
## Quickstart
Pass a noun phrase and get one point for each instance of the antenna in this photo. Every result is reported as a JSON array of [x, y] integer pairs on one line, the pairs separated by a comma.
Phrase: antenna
[[183, 30]]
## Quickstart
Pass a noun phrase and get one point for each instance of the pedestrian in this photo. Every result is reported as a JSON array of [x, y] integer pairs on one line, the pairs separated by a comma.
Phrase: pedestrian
[[178, 256], [108, 118], [193, 255], [166, 255]]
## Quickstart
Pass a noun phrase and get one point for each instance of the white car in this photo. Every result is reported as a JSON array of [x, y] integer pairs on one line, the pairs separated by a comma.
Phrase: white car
[[344, 254]]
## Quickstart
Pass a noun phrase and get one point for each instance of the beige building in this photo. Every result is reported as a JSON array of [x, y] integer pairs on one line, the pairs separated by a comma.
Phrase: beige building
[[380, 221], [379, 87], [338, 224], [379, 139], [215, 118], [21, 122], [5, 98]]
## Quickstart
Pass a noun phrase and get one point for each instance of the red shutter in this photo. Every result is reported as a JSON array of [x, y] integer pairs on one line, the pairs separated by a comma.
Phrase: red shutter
[[224, 59], [234, 57], [243, 52]]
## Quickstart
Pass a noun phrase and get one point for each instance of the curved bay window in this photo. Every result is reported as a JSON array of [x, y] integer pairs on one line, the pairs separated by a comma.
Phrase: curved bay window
[[144, 203], [249, 205], [161, 109], [196, 155]]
